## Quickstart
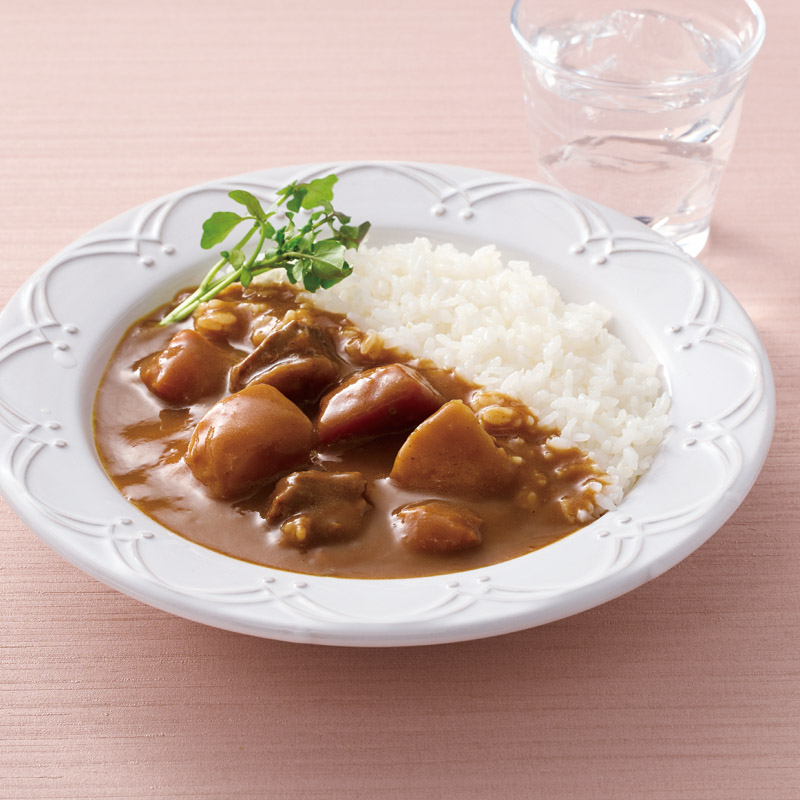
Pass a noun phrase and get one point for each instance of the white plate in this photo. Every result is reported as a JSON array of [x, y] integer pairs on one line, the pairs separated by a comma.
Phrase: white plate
[[63, 324]]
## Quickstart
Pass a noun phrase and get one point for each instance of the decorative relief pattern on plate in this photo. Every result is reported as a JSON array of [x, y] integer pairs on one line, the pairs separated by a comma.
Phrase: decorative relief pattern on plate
[[596, 240]]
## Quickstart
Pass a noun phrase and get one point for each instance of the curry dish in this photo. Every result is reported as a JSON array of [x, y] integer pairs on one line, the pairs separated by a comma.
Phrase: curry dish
[[280, 434]]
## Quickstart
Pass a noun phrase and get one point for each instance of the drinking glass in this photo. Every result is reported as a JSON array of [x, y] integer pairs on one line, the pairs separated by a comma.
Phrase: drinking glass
[[637, 107]]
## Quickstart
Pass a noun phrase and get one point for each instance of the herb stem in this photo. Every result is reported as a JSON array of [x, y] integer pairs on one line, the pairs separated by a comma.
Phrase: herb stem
[[215, 288], [287, 256], [257, 252], [190, 303], [223, 261]]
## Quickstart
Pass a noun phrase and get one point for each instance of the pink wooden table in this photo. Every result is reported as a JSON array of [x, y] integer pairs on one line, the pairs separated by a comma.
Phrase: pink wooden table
[[686, 688]]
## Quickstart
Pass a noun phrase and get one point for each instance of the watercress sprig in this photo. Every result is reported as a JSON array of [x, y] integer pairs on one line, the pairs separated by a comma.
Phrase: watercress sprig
[[297, 247]]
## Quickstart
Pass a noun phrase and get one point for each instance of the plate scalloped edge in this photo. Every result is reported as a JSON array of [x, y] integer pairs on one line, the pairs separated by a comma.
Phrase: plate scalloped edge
[[133, 554]]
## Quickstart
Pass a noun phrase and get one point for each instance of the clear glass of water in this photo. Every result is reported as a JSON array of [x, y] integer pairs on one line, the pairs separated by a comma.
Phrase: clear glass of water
[[637, 106]]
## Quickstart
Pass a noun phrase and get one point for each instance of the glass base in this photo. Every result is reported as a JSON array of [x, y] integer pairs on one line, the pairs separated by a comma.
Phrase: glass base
[[690, 238]]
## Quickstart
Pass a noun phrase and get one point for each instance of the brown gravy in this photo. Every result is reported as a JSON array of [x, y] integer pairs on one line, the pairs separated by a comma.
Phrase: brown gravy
[[142, 441]]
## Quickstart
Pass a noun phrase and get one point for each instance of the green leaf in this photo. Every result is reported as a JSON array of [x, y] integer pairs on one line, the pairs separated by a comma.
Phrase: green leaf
[[311, 282], [326, 283], [319, 192], [351, 236], [245, 278], [268, 254], [292, 195], [295, 201], [326, 271], [284, 192], [250, 202], [236, 257], [269, 230], [331, 252], [295, 270], [305, 242], [217, 227]]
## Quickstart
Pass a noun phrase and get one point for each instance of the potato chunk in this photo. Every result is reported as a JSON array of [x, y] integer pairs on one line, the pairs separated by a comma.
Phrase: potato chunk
[[437, 526], [188, 369], [451, 454], [375, 402], [247, 439], [318, 507]]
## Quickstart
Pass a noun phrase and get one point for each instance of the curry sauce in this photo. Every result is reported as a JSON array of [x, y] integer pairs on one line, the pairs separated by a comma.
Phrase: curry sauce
[[280, 434]]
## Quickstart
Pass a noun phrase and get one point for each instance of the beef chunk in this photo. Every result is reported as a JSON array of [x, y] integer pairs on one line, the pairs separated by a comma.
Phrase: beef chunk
[[377, 401], [188, 369], [451, 454], [301, 379], [246, 439], [294, 358], [437, 526], [318, 507]]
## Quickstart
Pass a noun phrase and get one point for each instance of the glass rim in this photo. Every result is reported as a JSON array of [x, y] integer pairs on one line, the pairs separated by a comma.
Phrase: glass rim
[[742, 63]]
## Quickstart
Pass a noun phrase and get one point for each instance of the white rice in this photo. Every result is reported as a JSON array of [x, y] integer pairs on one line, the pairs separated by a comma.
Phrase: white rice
[[508, 330]]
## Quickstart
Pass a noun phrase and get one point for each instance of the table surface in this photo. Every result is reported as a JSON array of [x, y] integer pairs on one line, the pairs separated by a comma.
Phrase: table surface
[[688, 687]]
